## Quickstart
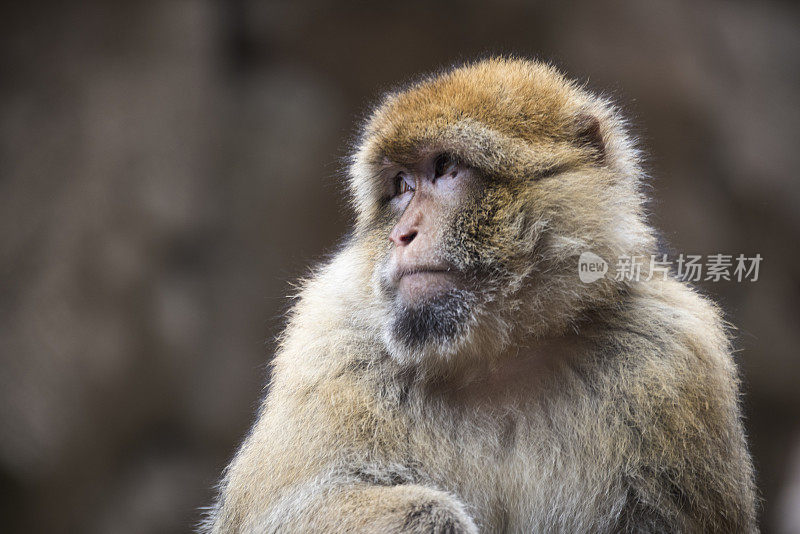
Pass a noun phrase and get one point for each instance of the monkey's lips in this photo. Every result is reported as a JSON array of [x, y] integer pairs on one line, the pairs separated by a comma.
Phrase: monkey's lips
[[423, 282]]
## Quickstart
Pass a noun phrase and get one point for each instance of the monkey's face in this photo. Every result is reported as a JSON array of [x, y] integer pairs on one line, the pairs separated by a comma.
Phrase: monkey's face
[[449, 251], [424, 200], [476, 192]]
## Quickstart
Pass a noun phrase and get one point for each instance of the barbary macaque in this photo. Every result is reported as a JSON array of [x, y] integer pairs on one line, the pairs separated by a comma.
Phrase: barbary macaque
[[447, 371]]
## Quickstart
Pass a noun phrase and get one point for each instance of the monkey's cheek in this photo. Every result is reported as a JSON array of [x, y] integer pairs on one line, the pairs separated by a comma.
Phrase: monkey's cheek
[[422, 286]]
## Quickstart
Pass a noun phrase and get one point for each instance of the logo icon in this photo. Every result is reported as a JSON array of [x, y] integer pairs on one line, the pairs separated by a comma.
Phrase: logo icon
[[591, 267]]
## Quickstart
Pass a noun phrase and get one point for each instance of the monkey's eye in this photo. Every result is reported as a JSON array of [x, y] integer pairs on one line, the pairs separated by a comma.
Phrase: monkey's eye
[[402, 185], [444, 164]]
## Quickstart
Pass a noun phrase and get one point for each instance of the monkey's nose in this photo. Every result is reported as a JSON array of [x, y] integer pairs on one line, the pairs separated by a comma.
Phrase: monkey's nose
[[402, 236]]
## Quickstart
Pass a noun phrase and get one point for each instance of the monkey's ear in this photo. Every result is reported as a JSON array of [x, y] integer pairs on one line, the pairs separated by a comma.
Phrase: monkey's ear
[[588, 134]]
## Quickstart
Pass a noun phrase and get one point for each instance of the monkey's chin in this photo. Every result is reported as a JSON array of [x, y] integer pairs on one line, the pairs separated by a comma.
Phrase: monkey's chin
[[434, 323]]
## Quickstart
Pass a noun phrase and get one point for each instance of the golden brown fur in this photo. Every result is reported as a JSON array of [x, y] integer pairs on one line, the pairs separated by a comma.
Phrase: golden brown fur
[[560, 407]]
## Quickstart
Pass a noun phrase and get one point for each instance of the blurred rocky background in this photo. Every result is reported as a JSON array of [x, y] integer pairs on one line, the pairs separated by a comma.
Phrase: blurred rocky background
[[168, 167]]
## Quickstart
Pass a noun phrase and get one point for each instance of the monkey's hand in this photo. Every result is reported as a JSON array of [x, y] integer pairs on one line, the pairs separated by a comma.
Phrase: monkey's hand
[[417, 509], [362, 508]]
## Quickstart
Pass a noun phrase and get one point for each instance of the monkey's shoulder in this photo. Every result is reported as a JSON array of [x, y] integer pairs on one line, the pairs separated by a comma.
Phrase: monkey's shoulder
[[668, 321], [664, 350]]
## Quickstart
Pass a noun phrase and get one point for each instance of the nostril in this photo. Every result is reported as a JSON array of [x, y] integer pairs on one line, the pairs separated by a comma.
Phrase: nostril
[[402, 238], [408, 238]]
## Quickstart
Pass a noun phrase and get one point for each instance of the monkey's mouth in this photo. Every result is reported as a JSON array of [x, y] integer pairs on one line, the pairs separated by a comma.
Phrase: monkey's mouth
[[419, 283], [422, 271]]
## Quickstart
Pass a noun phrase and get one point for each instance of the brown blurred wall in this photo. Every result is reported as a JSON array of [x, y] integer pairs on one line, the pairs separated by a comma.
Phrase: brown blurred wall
[[168, 167]]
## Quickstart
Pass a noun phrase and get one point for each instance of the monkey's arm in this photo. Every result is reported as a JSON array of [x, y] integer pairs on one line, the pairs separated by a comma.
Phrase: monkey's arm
[[664, 500], [323, 457], [359, 507], [686, 465], [267, 490]]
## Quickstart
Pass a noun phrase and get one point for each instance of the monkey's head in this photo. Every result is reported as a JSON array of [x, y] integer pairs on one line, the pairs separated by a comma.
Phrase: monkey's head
[[480, 188]]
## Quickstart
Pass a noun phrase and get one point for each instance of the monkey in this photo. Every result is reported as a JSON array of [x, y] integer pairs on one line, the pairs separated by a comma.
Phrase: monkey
[[446, 370]]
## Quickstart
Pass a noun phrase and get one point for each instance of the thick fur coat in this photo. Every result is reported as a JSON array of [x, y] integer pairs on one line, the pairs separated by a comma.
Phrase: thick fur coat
[[557, 406]]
